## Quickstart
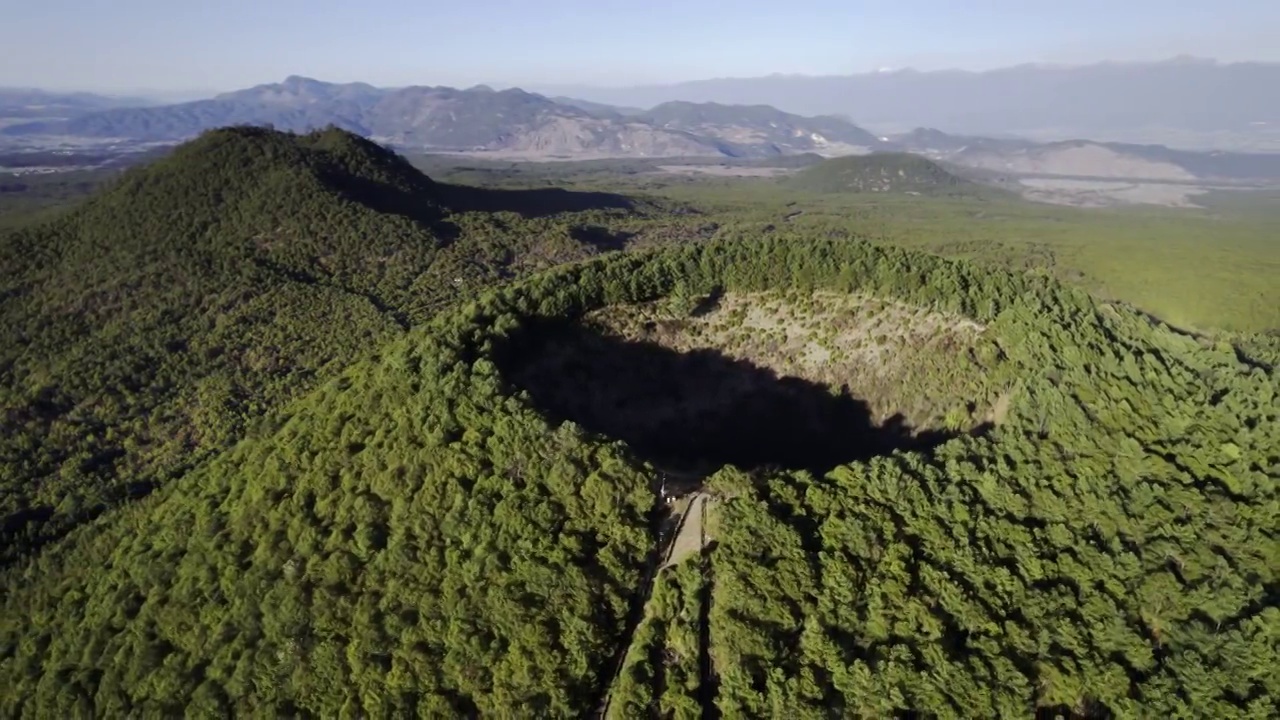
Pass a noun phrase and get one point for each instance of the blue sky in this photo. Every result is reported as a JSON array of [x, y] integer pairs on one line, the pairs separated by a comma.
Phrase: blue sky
[[128, 45]]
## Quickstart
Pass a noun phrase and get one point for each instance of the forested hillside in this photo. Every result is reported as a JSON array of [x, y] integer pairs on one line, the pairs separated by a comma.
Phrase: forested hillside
[[417, 537], [153, 324], [881, 173]]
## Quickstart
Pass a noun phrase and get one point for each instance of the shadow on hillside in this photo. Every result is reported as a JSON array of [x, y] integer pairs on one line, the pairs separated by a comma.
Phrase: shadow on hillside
[[696, 409], [422, 205], [602, 238], [531, 203], [429, 206]]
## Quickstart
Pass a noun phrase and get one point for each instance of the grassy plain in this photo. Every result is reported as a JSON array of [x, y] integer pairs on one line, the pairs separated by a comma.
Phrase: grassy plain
[[1202, 269], [1207, 269], [32, 198]]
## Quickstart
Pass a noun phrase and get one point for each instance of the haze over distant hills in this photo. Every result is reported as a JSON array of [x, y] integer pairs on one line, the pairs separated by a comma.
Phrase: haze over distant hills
[[516, 124], [753, 125], [31, 103], [476, 119], [1184, 101], [1087, 158]]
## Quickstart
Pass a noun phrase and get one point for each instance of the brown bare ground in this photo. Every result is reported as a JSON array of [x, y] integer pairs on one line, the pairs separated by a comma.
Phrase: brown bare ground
[[691, 535], [901, 360]]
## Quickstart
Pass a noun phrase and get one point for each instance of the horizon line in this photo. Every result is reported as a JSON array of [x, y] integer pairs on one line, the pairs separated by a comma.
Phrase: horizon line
[[208, 93]]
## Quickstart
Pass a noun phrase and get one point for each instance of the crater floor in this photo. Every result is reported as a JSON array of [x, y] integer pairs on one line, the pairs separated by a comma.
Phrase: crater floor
[[752, 380]]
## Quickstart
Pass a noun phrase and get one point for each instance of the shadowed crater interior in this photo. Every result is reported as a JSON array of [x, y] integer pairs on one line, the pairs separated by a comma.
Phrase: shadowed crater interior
[[695, 410]]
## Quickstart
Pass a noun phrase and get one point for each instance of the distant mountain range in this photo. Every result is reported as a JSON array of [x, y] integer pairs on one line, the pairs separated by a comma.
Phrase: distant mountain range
[[522, 125], [761, 125], [476, 119], [1188, 101], [600, 109], [1089, 159]]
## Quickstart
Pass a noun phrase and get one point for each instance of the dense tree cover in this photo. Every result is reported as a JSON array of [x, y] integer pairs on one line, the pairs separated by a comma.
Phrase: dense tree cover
[[884, 173], [664, 668], [153, 324], [1111, 549], [415, 537], [388, 551]]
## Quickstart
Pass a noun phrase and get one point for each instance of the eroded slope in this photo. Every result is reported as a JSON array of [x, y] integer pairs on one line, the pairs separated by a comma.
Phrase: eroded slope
[[801, 380], [928, 369]]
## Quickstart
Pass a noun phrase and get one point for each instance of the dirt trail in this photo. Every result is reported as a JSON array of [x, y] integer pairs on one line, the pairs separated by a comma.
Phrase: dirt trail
[[689, 536], [681, 537]]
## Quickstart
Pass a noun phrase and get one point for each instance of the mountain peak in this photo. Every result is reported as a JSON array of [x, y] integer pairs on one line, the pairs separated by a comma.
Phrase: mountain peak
[[512, 91], [1187, 59], [301, 81], [240, 160]]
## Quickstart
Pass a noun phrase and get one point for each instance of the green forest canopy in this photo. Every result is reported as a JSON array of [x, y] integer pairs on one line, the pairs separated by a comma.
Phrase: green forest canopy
[[413, 537], [151, 326], [882, 173]]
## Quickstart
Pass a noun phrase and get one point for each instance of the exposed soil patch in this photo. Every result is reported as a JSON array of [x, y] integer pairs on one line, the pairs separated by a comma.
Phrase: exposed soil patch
[[1098, 193], [909, 365], [690, 534]]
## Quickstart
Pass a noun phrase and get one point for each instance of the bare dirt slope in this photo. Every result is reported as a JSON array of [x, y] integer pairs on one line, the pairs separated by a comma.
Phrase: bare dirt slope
[[1104, 193], [805, 381], [1084, 160], [923, 366]]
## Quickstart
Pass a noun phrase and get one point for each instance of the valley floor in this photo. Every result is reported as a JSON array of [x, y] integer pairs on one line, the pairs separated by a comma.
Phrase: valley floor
[[1206, 269]]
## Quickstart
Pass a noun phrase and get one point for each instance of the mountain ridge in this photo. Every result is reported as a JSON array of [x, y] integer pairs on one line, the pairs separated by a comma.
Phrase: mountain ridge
[[1080, 157], [443, 119], [1130, 102], [520, 125], [763, 124], [18, 103]]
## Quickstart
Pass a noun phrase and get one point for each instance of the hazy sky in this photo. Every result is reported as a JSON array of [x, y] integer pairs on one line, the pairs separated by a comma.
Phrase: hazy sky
[[124, 45]]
